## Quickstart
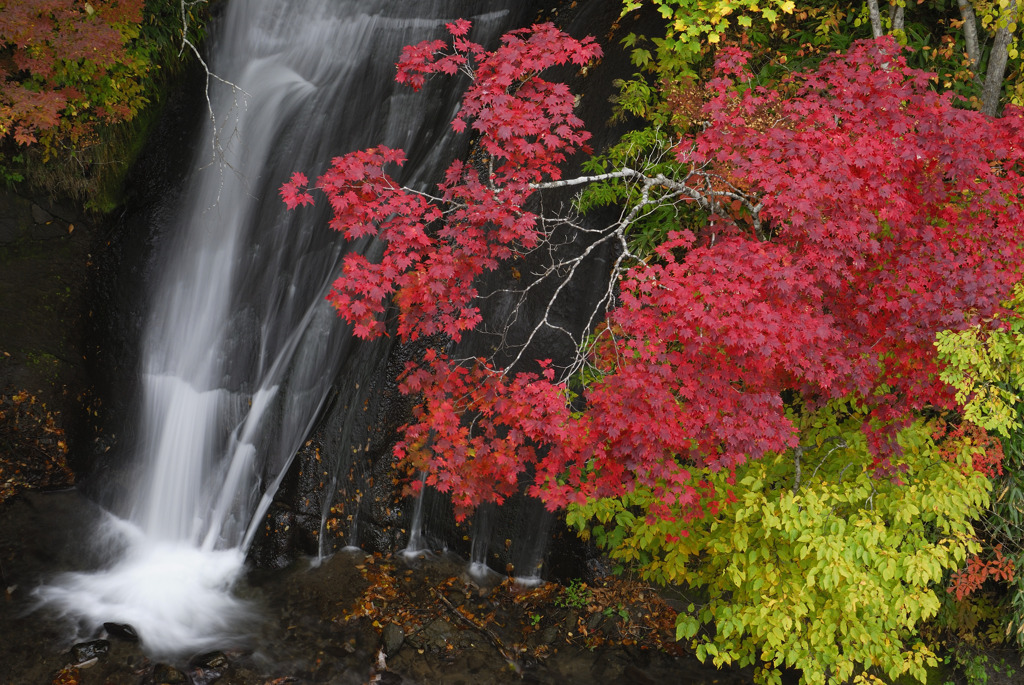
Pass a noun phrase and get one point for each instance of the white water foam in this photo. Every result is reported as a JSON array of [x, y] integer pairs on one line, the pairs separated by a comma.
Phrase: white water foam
[[176, 596]]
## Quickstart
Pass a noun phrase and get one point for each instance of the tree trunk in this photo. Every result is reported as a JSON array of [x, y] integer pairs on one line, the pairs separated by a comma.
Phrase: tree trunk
[[896, 15], [997, 61], [876, 18], [971, 36]]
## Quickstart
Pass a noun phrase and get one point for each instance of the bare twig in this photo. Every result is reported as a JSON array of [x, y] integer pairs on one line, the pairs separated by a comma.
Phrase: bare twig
[[218, 146], [510, 655]]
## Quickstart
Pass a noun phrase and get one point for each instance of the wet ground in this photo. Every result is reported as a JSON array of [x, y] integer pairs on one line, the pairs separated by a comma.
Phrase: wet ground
[[355, 618]]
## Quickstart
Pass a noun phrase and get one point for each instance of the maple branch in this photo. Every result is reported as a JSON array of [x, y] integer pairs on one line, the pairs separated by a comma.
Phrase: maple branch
[[584, 180], [797, 454], [545, 320], [706, 200], [450, 206], [567, 268], [840, 444], [607, 301], [555, 267], [617, 232]]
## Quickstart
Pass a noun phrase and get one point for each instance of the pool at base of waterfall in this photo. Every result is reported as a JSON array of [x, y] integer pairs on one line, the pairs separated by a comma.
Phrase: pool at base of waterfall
[[354, 618]]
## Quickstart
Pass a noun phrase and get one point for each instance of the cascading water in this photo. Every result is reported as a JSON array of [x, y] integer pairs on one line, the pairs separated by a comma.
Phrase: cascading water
[[528, 554], [417, 544], [478, 568], [241, 349]]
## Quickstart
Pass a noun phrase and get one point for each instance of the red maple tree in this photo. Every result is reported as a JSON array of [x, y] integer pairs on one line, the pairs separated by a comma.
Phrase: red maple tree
[[853, 214]]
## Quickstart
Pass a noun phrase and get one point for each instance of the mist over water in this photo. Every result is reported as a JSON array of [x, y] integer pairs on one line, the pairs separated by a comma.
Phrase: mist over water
[[240, 347]]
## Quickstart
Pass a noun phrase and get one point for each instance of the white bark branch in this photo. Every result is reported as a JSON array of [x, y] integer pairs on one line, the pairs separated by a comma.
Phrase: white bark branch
[[650, 192]]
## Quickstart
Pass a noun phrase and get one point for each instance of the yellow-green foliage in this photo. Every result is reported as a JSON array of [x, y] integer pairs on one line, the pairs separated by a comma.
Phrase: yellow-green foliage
[[999, 14], [986, 367], [819, 564], [690, 24]]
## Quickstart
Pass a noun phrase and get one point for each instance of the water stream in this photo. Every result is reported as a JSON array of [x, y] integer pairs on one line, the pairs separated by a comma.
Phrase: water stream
[[241, 349], [481, 538], [417, 541]]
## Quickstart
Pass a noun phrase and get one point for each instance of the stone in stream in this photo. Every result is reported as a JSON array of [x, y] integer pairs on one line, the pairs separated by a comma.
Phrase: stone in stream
[[208, 668], [549, 636], [391, 639], [88, 652], [165, 674], [438, 634], [121, 631]]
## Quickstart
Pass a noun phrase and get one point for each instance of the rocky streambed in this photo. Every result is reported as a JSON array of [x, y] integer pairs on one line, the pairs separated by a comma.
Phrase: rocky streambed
[[354, 618]]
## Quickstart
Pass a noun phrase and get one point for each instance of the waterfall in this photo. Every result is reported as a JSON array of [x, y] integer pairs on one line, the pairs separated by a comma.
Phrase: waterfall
[[417, 545], [528, 554], [482, 527], [240, 348]]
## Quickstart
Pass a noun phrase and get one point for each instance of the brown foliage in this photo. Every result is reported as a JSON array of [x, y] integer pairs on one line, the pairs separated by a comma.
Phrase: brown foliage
[[33, 452]]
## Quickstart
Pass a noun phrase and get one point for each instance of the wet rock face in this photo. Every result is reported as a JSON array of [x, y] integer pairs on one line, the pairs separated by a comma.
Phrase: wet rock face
[[71, 287], [120, 270], [383, 510], [33, 446], [44, 261], [279, 538], [32, 219], [341, 484]]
